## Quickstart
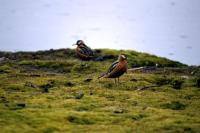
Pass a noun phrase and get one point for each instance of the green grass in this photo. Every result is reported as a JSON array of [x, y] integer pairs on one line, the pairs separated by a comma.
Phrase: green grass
[[105, 106]]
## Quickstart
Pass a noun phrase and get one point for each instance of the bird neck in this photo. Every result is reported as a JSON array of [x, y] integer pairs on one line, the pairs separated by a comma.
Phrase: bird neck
[[82, 45], [122, 60]]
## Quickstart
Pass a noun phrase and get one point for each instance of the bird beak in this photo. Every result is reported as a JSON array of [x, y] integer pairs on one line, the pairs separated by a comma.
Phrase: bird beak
[[73, 44]]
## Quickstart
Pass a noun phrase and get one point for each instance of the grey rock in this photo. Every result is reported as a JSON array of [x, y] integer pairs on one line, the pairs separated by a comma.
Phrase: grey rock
[[3, 59], [79, 95], [118, 111]]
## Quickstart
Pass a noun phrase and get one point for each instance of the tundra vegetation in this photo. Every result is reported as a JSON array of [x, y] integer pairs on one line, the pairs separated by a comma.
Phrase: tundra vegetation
[[54, 92]]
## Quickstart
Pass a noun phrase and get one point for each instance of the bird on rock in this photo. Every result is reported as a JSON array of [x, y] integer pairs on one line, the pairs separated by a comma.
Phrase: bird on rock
[[117, 69], [83, 51]]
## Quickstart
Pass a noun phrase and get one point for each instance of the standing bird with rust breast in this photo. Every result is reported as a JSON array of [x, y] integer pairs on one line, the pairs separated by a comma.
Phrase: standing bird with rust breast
[[83, 51], [117, 69]]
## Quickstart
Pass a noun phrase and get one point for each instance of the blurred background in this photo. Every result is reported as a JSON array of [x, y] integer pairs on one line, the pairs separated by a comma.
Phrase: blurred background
[[167, 28]]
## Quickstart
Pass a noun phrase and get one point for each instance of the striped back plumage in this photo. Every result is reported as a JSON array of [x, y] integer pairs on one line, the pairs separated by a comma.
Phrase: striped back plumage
[[86, 51], [112, 67], [83, 51]]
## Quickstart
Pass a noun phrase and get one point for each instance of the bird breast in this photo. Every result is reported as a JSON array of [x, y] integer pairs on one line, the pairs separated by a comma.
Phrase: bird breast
[[120, 69]]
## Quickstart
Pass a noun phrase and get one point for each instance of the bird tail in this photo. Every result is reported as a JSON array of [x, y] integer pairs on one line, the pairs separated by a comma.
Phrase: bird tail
[[102, 75]]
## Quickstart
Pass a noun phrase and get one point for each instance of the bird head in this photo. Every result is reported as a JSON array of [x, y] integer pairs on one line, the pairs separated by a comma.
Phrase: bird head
[[79, 42], [122, 57]]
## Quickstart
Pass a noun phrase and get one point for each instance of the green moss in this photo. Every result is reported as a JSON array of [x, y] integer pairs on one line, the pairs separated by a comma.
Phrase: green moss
[[162, 80], [16, 87], [5, 69], [15, 106], [50, 130], [177, 83], [106, 106], [60, 66], [79, 120], [175, 105], [138, 116]]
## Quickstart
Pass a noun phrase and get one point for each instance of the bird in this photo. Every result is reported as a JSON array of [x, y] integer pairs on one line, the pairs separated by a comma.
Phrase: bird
[[83, 51], [117, 68]]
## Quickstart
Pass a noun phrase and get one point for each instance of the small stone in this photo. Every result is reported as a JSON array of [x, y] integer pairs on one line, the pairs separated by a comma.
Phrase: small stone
[[21, 105], [68, 84], [91, 91], [87, 80], [133, 79], [45, 88], [144, 108], [118, 111], [100, 58], [79, 95], [29, 84]]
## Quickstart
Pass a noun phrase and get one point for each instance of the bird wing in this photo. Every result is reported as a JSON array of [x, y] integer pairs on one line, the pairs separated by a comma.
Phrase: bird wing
[[112, 67], [86, 51], [91, 53]]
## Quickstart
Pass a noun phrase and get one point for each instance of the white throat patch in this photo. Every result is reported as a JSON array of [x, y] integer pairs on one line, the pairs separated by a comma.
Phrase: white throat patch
[[123, 57]]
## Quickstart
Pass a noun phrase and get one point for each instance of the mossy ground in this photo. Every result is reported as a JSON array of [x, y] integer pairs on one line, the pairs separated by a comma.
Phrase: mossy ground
[[105, 107]]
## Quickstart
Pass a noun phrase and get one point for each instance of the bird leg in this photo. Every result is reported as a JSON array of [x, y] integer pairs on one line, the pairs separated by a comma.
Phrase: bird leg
[[118, 80], [81, 64], [115, 81]]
